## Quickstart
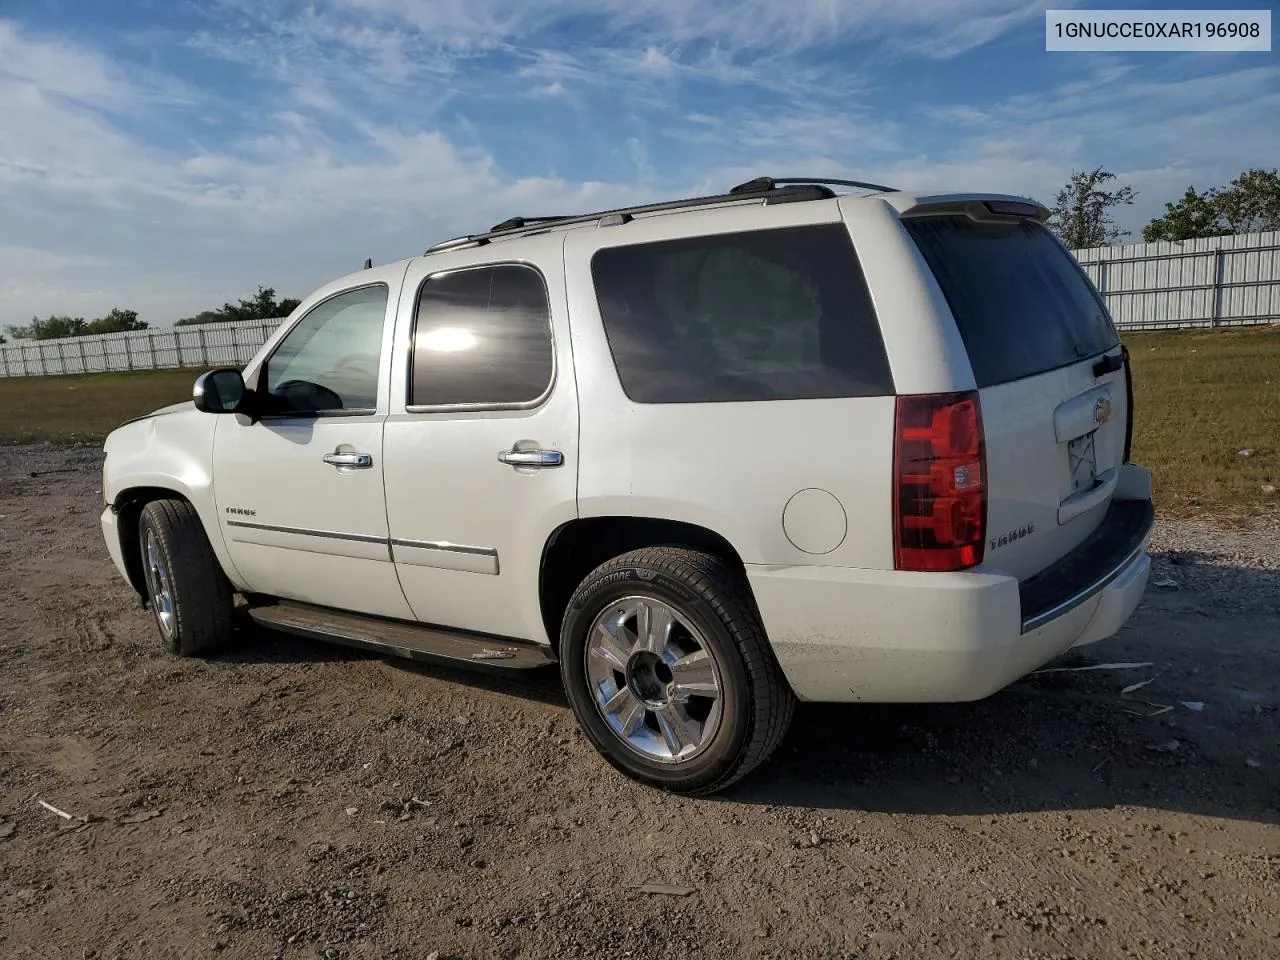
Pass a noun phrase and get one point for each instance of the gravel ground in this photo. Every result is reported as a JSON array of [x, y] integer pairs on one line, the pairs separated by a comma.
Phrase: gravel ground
[[295, 800]]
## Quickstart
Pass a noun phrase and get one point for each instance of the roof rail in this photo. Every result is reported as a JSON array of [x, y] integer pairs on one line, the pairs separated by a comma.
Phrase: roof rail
[[768, 183], [769, 189]]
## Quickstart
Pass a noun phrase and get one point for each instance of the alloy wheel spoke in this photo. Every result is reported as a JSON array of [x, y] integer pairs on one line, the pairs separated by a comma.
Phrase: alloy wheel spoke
[[628, 710], [677, 729], [694, 675], [612, 648], [653, 627]]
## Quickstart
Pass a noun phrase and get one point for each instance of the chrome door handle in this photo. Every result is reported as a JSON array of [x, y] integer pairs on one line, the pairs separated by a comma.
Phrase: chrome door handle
[[532, 458], [359, 460]]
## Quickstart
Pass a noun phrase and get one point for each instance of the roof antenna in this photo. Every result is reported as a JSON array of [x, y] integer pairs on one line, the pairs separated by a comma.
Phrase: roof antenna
[[368, 263]]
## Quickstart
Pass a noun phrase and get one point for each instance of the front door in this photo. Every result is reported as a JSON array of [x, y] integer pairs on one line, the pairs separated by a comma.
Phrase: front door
[[481, 443], [299, 493]]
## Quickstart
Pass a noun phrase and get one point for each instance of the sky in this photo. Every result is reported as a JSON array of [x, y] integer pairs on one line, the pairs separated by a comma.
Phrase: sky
[[170, 155]]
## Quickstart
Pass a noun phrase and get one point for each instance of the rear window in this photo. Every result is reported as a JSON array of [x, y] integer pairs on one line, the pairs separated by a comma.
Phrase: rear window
[[778, 314], [1021, 302]]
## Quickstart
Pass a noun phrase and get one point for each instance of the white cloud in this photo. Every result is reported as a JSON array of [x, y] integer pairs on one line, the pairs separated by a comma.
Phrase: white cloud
[[375, 128], [935, 27]]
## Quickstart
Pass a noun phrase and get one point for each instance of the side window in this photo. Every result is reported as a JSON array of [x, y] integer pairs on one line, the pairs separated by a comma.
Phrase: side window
[[780, 314], [481, 336], [329, 360]]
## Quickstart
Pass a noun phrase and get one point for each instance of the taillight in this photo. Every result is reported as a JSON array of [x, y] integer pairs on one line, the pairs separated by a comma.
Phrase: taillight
[[1128, 396], [940, 484]]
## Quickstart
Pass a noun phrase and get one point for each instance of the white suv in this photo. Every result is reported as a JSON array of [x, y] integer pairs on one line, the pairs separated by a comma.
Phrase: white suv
[[711, 456]]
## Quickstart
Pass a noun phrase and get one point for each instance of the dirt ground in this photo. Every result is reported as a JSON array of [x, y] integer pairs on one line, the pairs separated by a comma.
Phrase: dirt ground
[[296, 800]]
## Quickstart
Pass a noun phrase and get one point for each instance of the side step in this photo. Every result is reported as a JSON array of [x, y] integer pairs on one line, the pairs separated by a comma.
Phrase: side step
[[399, 638]]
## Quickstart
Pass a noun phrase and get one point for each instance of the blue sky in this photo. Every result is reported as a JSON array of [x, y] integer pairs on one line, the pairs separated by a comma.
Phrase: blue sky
[[168, 155]]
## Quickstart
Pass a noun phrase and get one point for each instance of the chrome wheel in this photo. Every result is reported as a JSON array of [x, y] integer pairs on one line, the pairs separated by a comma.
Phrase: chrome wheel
[[654, 679], [158, 582]]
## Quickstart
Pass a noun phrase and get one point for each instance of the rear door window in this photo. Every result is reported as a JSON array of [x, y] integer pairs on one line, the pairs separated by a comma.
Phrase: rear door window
[[1022, 303], [482, 337], [780, 314]]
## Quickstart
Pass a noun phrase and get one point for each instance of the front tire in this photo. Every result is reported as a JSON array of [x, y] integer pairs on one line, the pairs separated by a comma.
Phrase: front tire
[[187, 591], [669, 672]]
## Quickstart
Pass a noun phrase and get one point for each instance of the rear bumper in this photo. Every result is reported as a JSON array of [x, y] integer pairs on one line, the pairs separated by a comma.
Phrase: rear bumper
[[1091, 567], [843, 634]]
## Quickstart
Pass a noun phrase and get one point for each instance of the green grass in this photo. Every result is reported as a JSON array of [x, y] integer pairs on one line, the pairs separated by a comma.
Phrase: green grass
[[86, 407], [1201, 397]]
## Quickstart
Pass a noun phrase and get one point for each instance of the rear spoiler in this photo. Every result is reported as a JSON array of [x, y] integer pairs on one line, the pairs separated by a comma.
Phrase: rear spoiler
[[989, 207]]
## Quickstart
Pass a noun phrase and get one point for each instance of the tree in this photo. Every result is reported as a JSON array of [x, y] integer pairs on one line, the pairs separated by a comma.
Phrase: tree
[[1082, 210], [50, 328], [54, 327], [1195, 215], [1251, 202], [262, 306], [117, 321]]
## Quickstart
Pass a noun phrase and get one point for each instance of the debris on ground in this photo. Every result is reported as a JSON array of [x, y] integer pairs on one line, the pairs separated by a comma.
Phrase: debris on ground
[[1093, 666], [665, 890], [52, 809], [1137, 686], [1157, 709]]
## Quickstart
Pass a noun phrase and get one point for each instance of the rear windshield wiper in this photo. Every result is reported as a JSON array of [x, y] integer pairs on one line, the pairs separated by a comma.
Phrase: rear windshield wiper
[[1108, 365]]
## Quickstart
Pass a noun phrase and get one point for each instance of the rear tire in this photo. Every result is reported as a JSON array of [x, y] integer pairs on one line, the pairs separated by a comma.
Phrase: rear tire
[[186, 589], [669, 672]]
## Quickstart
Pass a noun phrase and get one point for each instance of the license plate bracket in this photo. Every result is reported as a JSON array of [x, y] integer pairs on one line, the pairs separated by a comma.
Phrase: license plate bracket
[[1082, 458]]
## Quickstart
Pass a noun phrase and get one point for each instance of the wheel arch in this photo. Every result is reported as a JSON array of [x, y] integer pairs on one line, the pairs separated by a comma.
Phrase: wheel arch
[[128, 506], [577, 547]]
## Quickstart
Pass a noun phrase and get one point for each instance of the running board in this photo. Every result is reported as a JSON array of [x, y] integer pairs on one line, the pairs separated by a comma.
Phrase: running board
[[402, 639]]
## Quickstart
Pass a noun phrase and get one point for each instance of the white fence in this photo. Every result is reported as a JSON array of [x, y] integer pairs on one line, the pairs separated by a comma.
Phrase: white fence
[[197, 345], [1216, 282]]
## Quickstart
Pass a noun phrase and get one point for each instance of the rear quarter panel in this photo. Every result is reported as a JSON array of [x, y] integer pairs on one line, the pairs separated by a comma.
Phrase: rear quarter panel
[[728, 467]]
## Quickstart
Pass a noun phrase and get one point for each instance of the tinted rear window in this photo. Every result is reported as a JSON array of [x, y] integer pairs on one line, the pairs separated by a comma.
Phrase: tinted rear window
[[761, 315], [1021, 302]]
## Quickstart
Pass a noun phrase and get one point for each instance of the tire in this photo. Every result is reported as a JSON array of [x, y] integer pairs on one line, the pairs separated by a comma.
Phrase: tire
[[186, 589], [648, 706]]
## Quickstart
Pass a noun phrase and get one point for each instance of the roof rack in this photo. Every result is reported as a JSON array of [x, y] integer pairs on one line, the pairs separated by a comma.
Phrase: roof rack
[[769, 183], [769, 189]]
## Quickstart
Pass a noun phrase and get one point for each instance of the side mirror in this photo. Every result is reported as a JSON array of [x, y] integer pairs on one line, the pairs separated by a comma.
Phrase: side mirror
[[219, 391]]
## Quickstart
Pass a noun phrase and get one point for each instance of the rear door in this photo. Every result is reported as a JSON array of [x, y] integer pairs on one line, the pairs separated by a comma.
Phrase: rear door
[[481, 444], [1046, 359]]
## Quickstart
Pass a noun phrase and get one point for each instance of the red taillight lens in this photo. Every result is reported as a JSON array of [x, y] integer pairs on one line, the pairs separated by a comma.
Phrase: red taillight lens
[[940, 488]]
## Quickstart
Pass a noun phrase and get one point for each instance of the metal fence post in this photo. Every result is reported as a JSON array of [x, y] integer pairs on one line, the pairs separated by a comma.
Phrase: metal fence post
[[151, 348], [128, 350], [1219, 270], [40, 350], [204, 347], [84, 366]]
